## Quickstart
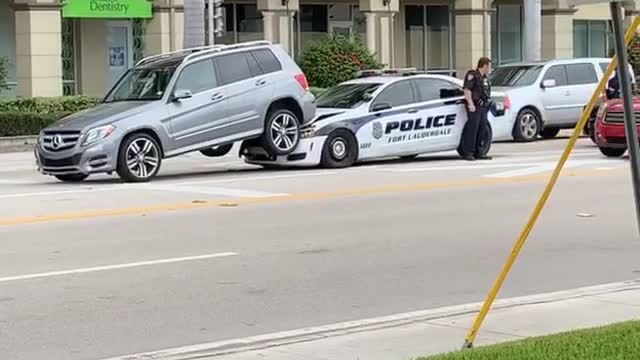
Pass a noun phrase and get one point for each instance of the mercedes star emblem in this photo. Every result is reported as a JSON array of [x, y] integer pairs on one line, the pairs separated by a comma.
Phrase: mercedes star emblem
[[57, 141]]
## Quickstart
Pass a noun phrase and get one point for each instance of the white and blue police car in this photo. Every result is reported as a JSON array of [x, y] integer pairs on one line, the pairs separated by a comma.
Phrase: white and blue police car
[[381, 114]]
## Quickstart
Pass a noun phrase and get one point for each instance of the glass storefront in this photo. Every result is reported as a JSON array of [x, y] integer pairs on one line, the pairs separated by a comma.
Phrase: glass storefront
[[591, 38], [428, 37], [8, 45], [243, 22], [507, 22]]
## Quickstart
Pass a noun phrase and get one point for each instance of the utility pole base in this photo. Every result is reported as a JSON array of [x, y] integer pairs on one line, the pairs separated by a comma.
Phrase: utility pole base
[[467, 345]]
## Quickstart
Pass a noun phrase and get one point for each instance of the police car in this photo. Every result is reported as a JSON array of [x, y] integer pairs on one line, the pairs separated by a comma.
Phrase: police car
[[380, 114]]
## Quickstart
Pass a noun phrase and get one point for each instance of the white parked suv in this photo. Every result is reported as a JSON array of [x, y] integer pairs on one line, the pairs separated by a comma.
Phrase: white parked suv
[[547, 96]]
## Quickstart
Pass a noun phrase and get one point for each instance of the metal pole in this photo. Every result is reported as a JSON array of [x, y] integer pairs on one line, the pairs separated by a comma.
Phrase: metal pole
[[627, 95], [532, 29], [210, 22]]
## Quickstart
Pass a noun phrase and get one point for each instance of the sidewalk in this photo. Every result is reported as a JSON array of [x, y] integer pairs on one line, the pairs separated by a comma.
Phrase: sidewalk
[[407, 336]]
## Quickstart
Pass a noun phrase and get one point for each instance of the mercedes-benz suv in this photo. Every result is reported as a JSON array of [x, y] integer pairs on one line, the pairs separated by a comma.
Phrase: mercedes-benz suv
[[199, 99]]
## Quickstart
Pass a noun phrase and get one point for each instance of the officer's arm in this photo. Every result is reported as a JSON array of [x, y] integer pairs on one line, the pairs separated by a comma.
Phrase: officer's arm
[[469, 82], [468, 97]]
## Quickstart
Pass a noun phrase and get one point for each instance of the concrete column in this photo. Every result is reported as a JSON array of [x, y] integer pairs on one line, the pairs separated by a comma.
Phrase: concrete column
[[93, 64], [278, 21], [165, 31], [380, 27], [470, 34], [38, 48], [193, 23], [371, 20], [532, 30], [557, 33]]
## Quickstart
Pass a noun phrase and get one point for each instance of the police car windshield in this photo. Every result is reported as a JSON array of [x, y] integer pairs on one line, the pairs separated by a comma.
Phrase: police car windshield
[[346, 96], [515, 75]]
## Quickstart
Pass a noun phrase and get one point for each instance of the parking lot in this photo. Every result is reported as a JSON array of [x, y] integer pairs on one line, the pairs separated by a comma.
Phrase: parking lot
[[216, 249]]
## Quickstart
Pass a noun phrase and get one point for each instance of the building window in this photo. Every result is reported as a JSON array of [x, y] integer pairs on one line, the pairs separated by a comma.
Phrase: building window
[[68, 57], [8, 46], [591, 38], [243, 22], [428, 37], [507, 25]]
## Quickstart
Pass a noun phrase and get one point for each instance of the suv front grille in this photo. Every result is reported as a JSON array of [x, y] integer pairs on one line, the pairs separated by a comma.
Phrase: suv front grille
[[618, 117], [64, 162], [60, 140]]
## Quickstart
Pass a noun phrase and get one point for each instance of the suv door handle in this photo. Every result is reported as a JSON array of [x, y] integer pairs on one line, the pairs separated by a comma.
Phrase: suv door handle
[[216, 97], [261, 82]]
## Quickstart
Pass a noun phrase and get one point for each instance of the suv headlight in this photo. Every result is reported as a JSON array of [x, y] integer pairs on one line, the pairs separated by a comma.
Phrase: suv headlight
[[97, 134]]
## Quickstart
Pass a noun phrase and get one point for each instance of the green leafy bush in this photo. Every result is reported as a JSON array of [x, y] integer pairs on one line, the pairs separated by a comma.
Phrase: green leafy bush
[[634, 53], [26, 123], [3, 73], [335, 59], [47, 105]]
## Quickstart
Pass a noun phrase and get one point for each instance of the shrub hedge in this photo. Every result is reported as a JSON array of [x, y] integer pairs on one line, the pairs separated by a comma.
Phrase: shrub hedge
[[335, 59], [48, 105], [26, 123]]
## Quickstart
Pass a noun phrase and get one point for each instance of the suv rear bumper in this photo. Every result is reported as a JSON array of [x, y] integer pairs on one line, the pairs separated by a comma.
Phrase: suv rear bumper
[[308, 105], [99, 158]]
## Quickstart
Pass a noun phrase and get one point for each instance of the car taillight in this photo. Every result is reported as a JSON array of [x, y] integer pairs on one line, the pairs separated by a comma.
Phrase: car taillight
[[302, 80], [507, 103]]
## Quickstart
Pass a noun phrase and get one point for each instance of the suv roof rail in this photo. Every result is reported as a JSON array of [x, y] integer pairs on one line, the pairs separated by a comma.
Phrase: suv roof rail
[[225, 48], [202, 50]]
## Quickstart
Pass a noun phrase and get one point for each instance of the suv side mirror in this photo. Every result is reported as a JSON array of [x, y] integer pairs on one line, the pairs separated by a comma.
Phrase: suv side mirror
[[381, 106], [548, 83], [180, 94]]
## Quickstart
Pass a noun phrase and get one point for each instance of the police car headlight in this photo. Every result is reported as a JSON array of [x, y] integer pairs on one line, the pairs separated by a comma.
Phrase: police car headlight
[[307, 132]]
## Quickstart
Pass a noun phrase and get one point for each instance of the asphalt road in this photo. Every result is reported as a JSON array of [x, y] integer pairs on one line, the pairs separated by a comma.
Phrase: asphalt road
[[214, 249]]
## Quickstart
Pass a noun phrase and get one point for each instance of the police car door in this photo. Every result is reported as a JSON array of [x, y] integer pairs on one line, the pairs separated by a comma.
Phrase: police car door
[[389, 133], [442, 113]]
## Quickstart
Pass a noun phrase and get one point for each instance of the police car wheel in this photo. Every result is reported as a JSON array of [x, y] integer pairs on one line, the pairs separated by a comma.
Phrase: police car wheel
[[527, 126], [340, 149], [282, 132], [216, 151]]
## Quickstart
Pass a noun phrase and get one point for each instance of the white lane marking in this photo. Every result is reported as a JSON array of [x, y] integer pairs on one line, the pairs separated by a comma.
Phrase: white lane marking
[[306, 173], [544, 167], [18, 168], [284, 338], [60, 192], [114, 267], [461, 167], [214, 191]]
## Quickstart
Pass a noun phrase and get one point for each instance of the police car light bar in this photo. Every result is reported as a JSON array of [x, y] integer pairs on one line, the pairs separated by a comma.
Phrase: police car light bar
[[395, 72]]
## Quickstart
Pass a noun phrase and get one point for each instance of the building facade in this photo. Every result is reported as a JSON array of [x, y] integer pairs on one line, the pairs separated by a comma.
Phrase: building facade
[[83, 46]]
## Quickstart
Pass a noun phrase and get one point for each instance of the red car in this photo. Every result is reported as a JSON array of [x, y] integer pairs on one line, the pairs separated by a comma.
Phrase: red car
[[610, 134]]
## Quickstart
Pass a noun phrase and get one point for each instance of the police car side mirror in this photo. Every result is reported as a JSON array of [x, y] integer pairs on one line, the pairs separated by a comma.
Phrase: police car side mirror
[[381, 106], [548, 83]]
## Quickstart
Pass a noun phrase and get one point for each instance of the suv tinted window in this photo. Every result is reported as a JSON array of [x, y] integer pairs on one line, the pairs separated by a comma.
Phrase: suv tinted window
[[435, 89], [235, 67], [557, 73], [197, 77], [397, 94], [578, 74], [267, 61]]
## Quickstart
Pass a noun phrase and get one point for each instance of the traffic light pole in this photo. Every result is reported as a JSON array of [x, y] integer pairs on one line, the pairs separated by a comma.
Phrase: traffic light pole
[[627, 96]]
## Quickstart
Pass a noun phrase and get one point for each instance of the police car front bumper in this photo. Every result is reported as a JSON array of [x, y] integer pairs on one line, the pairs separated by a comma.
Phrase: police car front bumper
[[308, 153]]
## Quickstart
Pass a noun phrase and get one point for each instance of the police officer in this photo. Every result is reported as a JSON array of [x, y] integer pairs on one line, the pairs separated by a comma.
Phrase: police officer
[[477, 93]]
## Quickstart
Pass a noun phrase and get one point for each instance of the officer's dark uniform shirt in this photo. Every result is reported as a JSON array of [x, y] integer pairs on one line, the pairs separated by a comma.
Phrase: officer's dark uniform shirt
[[479, 86]]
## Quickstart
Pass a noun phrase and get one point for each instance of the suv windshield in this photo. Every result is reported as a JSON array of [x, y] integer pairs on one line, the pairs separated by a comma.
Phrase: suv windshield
[[346, 96], [142, 84], [515, 75]]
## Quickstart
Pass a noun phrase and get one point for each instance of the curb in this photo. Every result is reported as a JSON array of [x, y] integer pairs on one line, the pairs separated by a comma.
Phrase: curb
[[17, 143], [226, 347]]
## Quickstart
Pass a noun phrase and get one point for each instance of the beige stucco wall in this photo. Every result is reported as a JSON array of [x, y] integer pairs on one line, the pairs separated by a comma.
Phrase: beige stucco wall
[[592, 12], [93, 63], [557, 36]]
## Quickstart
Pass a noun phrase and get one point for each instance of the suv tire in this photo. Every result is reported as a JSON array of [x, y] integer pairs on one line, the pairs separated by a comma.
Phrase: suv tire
[[340, 150], [217, 151], [527, 126], [549, 132], [282, 132], [139, 158], [612, 152], [72, 177]]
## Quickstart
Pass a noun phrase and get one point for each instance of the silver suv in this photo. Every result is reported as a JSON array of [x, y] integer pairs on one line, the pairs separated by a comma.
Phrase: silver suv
[[200, 99]]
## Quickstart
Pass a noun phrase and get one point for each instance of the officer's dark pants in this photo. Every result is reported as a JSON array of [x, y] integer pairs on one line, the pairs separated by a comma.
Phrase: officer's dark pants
[[474, 131]]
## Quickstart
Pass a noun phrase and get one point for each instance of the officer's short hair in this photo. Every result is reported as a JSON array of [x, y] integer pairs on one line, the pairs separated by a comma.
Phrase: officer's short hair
[[483, 61]]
